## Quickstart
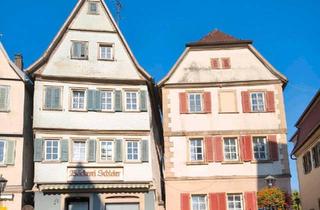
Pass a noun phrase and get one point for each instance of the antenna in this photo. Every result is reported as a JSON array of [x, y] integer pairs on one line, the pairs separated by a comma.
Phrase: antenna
[[118, 6]]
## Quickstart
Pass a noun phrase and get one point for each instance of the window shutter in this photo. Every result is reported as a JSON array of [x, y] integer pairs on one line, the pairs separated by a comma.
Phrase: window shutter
[[246, 148], [213, 201], [245, 98], [183, 103], [97, 100], [218, 149], [56, 96], [222, 201], [250, 199], [209, 149], [185, 201], [92, 150], [226, 63], [118, 101], [270, 101], [143, 101], [145, 151], [207, 102], [10, 153], [4, 96], [214, 63], [118, 150], [64, 145], [91, 100], [38, 150], [48, 97], [273, 148]]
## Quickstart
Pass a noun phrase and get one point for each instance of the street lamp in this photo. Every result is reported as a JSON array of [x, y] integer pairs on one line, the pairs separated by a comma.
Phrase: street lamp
[[3, 184], [270, 180]]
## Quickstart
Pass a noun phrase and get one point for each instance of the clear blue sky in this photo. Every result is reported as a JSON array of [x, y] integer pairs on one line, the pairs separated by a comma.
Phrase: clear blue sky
[[286, 32]]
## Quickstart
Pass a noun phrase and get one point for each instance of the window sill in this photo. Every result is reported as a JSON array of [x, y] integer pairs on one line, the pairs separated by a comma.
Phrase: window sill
[[190, 113], [133, 162], [3, 165], [232, 162], [110, 60], [191, 163], [5, 111], [52, 110], [79, 58], [77, 110], [93, 13], [261, 161], [228, 112]]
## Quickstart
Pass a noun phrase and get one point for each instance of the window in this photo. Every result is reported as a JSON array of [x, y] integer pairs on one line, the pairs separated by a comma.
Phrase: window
[[107, 100], [226, 63], [131, 101], [132, 150], [257, 102], [2, 151], [196, 149], [52, 97], [260, 148], [234, 202], [51, 150], [307, 165], [316, 155], [230, 149], [78, 99], [199, 202], [4, 98], [195, 102], [106, 150], [93, 8], [215, 64], [106, 52], [79, 151], [79, 50]]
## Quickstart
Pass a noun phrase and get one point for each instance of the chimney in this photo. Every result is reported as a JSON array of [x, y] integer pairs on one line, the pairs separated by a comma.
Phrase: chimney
[[18, 60]]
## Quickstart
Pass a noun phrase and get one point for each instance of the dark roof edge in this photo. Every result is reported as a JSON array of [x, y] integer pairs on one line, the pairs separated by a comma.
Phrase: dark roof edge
[[218, 43]]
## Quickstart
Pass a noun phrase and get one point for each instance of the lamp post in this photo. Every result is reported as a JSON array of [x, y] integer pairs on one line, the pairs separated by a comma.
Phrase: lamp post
[[271, 181], [3, 184]]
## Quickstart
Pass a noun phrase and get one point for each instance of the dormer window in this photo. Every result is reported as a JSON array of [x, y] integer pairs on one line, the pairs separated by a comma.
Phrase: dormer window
[[79, 50], [93, 8]]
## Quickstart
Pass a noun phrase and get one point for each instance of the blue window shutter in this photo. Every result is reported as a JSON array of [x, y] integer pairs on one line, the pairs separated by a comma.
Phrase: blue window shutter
[[56, 97], [90, 100], [92, 150], [145, 151], [64, 145], [143, 101], [10, 153], [48, 97], [97, 102], [38, 150], [118, 150], [118, 101]]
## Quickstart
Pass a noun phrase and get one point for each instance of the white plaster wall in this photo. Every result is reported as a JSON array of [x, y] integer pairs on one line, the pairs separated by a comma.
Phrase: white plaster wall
[[196, 67], [222, 122], [181, 169], [57, 172], [86, 120], [5, 69]]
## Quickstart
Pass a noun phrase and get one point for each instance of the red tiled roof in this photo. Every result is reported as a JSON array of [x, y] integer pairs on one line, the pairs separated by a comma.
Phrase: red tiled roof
[[218, 37]]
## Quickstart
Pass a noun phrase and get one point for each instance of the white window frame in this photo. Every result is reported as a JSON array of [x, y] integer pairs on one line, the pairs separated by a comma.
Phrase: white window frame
[[86, 55], [7, 99], [45, 149], [224, 149], [85, 150], [201, 102], [138, 154], [84, 99], [106, 45], [258, 104], [192, 149], [205, 201], [234, 202], [89, 8], [112, 100], [265, 141], [4, 152], [112, 151], [137, 101]]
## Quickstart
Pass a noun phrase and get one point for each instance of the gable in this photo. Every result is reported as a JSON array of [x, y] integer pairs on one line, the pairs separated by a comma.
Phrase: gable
[[195, 66], [7, 70]]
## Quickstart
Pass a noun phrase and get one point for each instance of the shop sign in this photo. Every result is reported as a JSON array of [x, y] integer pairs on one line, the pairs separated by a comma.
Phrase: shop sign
[[95, 174]]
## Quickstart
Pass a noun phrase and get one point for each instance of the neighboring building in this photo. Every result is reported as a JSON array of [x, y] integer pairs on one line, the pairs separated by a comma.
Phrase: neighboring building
[[96, 141], [16, 165], [224, 126], [307, 153]]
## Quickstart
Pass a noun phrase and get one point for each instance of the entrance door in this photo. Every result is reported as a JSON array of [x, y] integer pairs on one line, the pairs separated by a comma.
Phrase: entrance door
[[122, 206], [77, 204]]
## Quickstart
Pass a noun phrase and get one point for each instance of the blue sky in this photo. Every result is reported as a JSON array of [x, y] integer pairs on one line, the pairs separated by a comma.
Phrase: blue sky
[[286, 32]]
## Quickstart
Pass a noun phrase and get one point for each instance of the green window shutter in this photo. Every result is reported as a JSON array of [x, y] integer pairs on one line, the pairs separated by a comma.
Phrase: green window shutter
[[10, 152], [38, 150], [90, 100], [97, 102], [64, 146], [118, 101], [4, 98], [55, 100], [118, 150], [143, 101], [145, 151], [48, 97], [149, 200], [92, 150]]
